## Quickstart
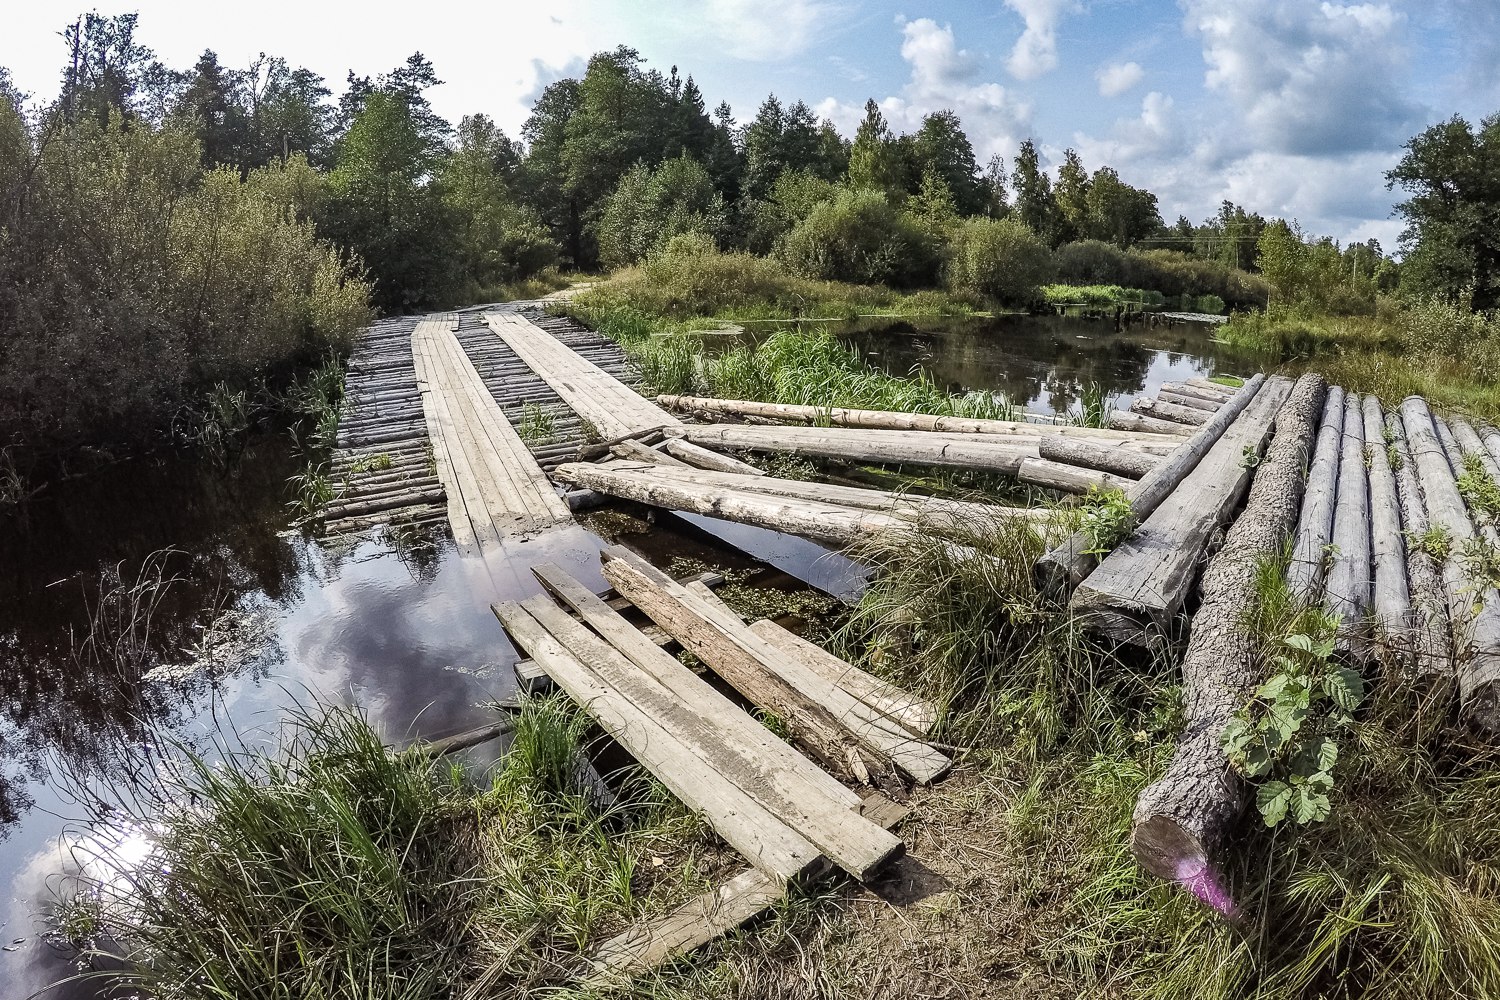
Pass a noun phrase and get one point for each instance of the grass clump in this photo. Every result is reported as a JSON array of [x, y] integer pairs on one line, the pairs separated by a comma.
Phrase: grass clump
[[332, 867]]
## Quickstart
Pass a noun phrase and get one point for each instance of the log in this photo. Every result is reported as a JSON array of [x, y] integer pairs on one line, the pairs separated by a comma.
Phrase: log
[[763, 839], [1091, 455], [706, 458], [1165, 395], [1473, 616], [1304, 575], [1428, 636], [1208, 385], [804, 698], [1181, 820], [1390, 597], [1065, 566], [1138, 590], [634, 451], [647, 435], [839, 416], [1068, 478], [1217, 394], [891, 447], [1149, 407], [1347, 593], [1124, 420]]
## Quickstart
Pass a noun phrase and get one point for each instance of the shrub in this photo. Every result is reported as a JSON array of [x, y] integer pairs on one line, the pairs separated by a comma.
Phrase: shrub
[[860, 237], [651, 206], [1000, 259], [1090, 262], [792, 198]]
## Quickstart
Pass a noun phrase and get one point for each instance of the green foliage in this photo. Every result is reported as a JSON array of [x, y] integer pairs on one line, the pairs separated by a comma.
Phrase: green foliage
[[137, 281], [1106, 517], [1478, 489], [1100, 295], [790, 200], [536, 425], [859, 237], [999, 259], [1171, 273], [652, 206]]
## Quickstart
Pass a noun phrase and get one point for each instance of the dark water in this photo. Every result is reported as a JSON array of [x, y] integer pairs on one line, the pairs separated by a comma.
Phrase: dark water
[[398, 626], [1045, 363]]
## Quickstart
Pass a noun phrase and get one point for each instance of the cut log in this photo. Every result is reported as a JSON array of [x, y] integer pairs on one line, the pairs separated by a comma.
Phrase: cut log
[[1218, 394], [1181, 820], [704, 458], [1064, 567], [1347, 592], [1149, 407], [1208, 385], [1091, 455], [1125, 420], [1431, 657], [1474, 614], [838, 416], [1165, 395], [739, 655], [763, 839], [633, 451], [974, 451], [1069, 478], [1304, 576], [1390, 597], [1138, 590]]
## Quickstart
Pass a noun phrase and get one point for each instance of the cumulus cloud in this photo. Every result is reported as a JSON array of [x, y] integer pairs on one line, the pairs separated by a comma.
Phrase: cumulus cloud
[[1308, 79], [1116, 78], [749, 30], [944, 76], [1035, 52]]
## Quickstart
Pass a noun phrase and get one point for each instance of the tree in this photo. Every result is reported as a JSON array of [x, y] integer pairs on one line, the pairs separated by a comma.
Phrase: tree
[[996, 201], [789, 139], [211, 102], [941, 146], [1117, 212], [1001, 259], [1283, 258], [1033, 192], [496, 239], [543, 177], [289, 113], [875, 158], [651, 206], [1071, 197], [1452, 236], [859, 236], [107, 69]]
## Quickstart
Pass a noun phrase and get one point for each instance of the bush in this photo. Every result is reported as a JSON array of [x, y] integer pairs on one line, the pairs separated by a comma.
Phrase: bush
[[1090, 262], [793, 197], [131, 282], [999, 259], [651, 206], [859, 237]]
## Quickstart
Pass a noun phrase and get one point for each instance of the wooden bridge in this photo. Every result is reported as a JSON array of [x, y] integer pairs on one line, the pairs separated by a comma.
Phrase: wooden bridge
[[500, 421]]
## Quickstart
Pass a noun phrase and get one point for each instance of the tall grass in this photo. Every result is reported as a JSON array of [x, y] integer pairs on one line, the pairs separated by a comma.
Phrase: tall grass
[[328, 866]]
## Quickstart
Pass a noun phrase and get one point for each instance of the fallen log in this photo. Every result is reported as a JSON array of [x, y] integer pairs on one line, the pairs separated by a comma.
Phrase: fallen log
[[1181, 820], [1149, 407], [1065, 566], [1304, 575], [840, 416], [1138, 590], [1347, 593], [1165, 395], [634, 451], [1125, 420], [1473, 612], [1091, 455], [1390, 598], [1217, 394], [1068, 478], [1431, 657], [705, 458]]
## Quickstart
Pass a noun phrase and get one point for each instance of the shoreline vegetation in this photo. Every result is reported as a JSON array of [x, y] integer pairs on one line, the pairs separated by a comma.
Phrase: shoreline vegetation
[[172, 246]]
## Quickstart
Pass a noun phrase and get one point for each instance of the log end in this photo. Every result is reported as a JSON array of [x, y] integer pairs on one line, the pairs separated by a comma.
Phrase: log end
[[1171, 853]]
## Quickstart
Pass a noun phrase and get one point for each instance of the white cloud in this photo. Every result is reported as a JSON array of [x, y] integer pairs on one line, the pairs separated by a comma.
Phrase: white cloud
[[750, 30], [1116, 78], [1308, 79], [1035, 52], [944, 76]]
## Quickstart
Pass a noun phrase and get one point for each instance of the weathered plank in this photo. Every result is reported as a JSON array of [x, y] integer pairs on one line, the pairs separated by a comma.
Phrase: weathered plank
[[1139, 588]]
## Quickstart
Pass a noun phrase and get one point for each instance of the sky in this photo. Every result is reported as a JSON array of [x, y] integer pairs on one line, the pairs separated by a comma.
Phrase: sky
[[1290, 108]]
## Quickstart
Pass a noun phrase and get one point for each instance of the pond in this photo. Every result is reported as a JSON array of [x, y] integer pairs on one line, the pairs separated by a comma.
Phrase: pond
[[399, 626]]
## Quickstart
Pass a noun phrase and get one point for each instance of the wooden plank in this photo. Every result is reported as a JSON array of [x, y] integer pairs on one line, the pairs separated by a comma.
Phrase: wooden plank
[[912, 713], [736, 731], [1137, 591], [716, 637], [458, 517], [576, 664], [704, 918]]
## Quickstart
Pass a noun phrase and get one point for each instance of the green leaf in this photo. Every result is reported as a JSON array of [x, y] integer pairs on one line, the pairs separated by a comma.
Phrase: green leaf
[[1302, 642], [1272, 799], [1271, 689], [1315, 756], [1237, 733], [1346, 687], [1309, 805]]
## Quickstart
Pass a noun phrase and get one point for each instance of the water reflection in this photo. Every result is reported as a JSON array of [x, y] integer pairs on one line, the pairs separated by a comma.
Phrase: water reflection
[[1046, 362]]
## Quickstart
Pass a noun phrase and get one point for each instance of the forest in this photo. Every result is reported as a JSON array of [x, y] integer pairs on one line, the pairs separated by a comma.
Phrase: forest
[[174, 234]]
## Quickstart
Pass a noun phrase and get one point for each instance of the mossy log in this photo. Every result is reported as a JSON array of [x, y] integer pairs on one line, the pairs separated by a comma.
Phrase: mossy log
[[1100, 457], [1431, 656], [1182, 819]]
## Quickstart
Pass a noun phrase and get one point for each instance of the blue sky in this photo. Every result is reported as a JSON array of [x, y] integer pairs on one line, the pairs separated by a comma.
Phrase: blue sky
[[1292, 108]]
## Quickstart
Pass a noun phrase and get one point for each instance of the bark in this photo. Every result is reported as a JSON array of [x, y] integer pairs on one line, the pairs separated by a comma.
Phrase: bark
[[1304, 576]]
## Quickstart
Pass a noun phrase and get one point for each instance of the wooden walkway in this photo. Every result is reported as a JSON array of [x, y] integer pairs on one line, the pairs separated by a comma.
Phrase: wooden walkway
[[495, 488], [612, 407]]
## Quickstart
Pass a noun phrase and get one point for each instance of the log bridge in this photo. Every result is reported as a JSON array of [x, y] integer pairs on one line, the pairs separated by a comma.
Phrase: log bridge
[[500, 421]]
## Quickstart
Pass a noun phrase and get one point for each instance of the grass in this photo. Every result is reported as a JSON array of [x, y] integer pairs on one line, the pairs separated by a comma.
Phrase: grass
[[329, 867], [536, 425]]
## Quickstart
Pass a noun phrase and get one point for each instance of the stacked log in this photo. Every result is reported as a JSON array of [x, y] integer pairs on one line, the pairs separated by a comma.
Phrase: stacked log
[[1315, 529], [1348, 587], [1431, 656], [1395, 623], [1181, 819]]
